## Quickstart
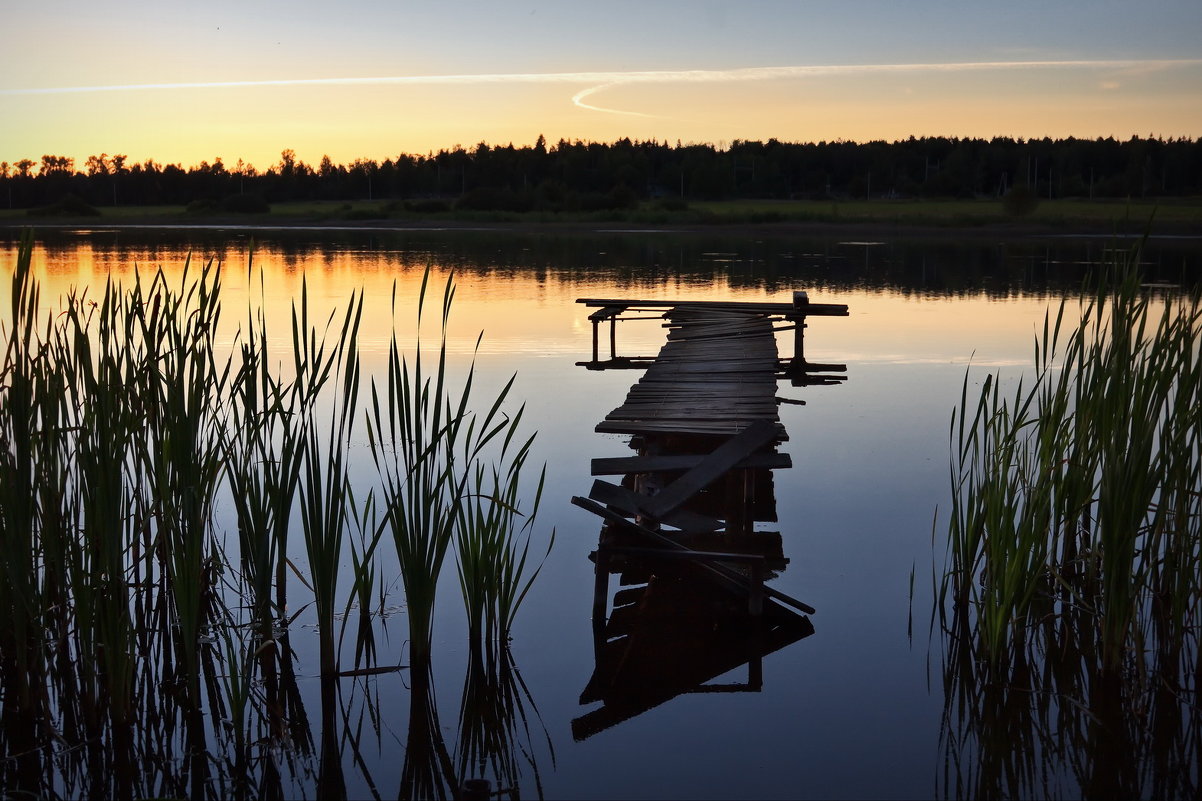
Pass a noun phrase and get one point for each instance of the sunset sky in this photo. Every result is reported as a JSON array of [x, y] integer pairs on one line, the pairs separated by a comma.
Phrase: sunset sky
[[185, 82]]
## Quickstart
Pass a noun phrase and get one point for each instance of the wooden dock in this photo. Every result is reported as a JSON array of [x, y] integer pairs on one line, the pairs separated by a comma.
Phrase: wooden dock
[[726, 320], [703, 419], [716, 374], [682, 522]]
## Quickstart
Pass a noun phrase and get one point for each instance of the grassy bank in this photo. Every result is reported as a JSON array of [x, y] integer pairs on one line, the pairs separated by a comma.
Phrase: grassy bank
[[1176, 215]]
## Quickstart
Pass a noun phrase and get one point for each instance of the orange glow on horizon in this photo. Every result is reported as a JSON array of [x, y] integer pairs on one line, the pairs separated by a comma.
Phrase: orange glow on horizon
[[380, 121]]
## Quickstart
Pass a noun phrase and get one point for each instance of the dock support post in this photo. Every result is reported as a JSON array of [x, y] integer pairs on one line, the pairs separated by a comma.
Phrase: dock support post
[[755, 674], [801, 302], [595, 324], [600, 586], [755, 594], [613, 337]]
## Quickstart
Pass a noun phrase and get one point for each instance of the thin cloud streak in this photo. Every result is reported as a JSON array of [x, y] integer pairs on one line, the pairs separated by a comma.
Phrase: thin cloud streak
[[601, 80], [578, 100]]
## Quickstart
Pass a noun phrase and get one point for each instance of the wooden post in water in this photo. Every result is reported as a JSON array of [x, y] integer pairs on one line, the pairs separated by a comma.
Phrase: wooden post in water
[[600, 585], [755, 594], [801, 303]]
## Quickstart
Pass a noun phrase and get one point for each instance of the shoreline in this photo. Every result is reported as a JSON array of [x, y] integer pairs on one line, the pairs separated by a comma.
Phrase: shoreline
[[782, 229]]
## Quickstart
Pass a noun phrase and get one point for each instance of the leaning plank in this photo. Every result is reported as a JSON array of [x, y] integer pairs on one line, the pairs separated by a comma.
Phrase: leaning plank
[[711, 468], [632, 503], [729, 577]]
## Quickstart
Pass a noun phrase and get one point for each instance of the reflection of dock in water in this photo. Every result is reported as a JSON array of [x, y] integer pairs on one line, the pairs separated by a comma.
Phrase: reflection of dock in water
[[680, 527]]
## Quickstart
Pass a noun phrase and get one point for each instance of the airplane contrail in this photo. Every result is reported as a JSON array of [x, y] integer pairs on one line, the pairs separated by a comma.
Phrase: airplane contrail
[[600, 80], [578, 100]]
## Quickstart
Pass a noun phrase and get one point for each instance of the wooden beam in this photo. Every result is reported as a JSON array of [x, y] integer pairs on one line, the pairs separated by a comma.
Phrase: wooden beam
[[661, 464], [812, 309], [687, 554], [632, 503], [730, 578], [712, 467]]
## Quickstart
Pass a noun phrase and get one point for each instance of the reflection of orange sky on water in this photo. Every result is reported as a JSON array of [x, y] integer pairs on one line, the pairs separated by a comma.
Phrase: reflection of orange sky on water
[[534, 312]]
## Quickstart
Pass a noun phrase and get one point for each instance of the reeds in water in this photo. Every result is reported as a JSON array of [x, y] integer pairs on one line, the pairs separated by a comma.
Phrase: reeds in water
[[143, 652], [442, 486], [1072, 594]]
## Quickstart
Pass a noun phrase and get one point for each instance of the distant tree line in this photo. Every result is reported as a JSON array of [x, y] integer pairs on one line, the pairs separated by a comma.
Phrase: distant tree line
[[591, 175]]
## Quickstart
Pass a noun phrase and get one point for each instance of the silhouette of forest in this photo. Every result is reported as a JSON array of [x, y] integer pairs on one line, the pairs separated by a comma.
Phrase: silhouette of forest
[[589, 176]]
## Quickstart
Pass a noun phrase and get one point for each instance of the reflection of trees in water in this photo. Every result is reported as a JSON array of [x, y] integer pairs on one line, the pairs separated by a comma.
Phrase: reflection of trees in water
[[939, 266]]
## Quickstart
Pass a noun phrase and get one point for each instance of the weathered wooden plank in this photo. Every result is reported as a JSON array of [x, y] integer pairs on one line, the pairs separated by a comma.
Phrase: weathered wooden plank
[[620, 465], [689, 553], [633, 503], [719, 428], [712, 467], [699, 401], [716, 375], [814, 309], [718, 403], [666, 406], [606, 313], [732, 578], [699, 413]]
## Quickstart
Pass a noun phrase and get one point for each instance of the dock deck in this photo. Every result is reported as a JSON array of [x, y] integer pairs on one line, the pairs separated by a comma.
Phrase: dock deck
[[716, 374]]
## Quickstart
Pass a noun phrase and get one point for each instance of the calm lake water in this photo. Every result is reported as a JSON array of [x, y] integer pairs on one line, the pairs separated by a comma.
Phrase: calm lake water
[[852, 711]]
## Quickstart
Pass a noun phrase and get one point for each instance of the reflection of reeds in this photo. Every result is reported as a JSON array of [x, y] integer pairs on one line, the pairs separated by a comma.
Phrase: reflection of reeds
[[495, 740], [1073, 587]]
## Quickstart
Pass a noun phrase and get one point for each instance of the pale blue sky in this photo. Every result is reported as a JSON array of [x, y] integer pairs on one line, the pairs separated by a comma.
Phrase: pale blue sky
[[1144, 73]]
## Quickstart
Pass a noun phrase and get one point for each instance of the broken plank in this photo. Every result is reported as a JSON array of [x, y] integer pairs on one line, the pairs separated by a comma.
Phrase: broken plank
[[632, 503], [730, 577], [711, 468]]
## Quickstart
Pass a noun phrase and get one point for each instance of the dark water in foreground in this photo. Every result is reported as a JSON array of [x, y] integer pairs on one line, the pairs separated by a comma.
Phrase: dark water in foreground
[[852, 710]]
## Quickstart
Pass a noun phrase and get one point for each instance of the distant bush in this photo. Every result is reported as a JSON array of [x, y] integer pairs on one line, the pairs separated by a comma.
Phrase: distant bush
[[623, 197], [550, 195], [202, 206], [1020, 201], [67, 206], [245, 204], [427, 206], [767, 217], [673, 204], [592, 201], [491, 199], [365, 214]]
